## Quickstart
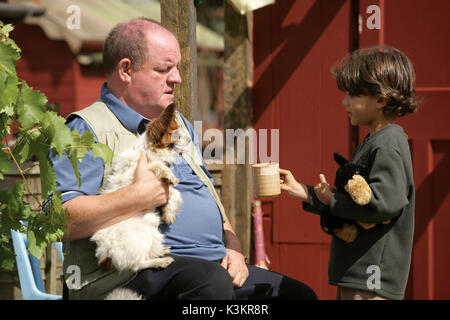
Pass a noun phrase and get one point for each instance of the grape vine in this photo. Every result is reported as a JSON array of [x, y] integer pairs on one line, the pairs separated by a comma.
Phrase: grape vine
[[29, 132]]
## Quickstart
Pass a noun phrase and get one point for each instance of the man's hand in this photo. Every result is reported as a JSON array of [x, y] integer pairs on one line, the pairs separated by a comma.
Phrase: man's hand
[[289, 185], [323, 191], [234, 260], [90, 213], [150, 190]]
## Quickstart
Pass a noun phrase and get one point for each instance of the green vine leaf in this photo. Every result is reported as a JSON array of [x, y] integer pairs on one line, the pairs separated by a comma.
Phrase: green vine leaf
[[26, 145], [37, 133], [8, 57], [8, 93], [102, 151], [7, 257], [30, 107], [5, 164], [48, 176], [14, 210], [47, 227], [55, 129]]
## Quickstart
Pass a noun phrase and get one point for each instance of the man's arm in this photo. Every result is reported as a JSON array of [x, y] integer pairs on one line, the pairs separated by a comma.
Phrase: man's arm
[[289, 185], [90, 213], [234, 260]]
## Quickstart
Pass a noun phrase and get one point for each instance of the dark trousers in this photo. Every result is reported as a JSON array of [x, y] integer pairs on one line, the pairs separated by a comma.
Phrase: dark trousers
[[191, 278]]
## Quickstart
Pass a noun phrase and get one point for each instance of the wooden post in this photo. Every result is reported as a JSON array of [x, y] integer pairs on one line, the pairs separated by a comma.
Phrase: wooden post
[[237, 180], [179, 16], [51, 276]]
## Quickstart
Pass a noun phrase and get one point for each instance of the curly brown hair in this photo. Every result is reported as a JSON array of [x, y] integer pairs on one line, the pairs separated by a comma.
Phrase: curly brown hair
[[382, 72]]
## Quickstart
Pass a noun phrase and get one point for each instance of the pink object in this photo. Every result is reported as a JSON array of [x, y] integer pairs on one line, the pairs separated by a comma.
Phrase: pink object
[[260, 253]]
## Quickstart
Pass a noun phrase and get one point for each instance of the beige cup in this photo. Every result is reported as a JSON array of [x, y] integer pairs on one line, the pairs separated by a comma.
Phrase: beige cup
[[266, 180]]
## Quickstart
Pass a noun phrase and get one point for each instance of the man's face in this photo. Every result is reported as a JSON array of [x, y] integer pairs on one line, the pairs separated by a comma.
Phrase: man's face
[[151, 88]]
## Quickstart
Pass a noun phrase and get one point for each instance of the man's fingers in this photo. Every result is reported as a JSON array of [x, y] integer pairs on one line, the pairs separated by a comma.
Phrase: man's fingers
[[142, 159], [224, 262], [239, 280], [322, 178]]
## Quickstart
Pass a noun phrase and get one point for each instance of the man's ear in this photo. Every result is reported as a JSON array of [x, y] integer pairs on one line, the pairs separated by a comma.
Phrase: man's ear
[[124, 70]]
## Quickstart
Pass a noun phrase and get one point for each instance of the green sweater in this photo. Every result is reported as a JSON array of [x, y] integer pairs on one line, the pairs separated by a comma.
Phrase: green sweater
[[383, 252]]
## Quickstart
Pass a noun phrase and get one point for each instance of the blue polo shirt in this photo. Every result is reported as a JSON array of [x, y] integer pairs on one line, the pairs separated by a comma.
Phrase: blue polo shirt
[[197, 231]]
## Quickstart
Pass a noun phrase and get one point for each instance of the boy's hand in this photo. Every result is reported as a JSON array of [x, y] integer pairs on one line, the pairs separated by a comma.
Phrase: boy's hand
[[323, 191]]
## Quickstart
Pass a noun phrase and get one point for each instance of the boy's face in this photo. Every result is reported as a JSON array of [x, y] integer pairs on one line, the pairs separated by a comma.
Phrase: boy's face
[[363, 110]]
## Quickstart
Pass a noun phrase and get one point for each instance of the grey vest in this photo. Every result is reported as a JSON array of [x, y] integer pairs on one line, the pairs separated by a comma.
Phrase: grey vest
[[96, 283]]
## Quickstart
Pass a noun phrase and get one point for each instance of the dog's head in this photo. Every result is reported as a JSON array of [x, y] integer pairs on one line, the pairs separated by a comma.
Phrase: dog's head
[[160, 130]]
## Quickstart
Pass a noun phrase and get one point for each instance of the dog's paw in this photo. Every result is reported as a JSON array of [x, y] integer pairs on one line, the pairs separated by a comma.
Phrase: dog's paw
[[165, 251], [169, 219], [170, 211], [163, 262], [168, 216], [173, 180]]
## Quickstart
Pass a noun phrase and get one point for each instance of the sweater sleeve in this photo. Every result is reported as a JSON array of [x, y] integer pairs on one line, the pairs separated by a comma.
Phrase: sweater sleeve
[[389, 191], [314, 205]]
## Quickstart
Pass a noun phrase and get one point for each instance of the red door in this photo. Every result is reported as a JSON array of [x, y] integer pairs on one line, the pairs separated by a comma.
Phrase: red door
[[295, 44], [421, 29]]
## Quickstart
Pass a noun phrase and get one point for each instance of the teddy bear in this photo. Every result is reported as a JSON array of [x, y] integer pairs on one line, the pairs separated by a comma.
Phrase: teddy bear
[[350, 178]]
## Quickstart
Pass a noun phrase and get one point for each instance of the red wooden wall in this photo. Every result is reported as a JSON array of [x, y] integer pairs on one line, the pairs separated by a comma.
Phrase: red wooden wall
[[295, 44], [421, 30], [49, 66]]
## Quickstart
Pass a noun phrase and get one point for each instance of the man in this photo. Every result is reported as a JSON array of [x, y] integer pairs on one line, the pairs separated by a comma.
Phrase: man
[[141, 61]]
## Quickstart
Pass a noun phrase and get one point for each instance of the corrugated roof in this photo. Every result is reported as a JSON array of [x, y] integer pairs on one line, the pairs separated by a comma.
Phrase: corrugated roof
[[98, 17]]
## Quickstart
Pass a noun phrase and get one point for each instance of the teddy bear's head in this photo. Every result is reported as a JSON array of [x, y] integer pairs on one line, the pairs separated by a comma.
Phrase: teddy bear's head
[[351, 178]]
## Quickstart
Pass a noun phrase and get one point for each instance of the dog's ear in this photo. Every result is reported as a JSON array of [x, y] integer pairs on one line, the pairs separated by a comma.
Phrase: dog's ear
[[159, 130], [340, 159]]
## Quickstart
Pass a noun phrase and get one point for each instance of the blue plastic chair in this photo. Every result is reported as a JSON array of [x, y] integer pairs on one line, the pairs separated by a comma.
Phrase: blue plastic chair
[[29, 269]]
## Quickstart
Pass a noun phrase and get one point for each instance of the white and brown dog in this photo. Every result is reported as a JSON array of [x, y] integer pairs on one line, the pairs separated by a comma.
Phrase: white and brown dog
[[136, 243]]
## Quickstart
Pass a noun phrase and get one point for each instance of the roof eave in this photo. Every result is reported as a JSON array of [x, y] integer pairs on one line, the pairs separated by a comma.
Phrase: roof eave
[[15, 12]]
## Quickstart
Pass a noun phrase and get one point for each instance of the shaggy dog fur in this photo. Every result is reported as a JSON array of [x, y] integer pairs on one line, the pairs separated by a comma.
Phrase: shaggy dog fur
[[136, 243]]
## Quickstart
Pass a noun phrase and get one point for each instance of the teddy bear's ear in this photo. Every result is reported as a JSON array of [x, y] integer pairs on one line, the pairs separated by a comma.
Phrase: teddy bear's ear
[[340, 159], [359, 190]]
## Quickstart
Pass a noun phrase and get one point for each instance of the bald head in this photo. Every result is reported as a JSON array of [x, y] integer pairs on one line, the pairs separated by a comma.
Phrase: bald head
[[129, 40]]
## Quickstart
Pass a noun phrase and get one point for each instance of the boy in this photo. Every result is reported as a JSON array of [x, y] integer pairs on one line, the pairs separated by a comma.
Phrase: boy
[[380, 86]]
